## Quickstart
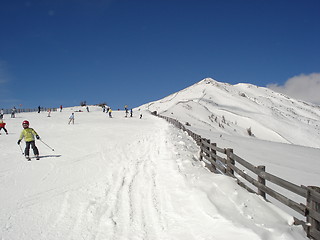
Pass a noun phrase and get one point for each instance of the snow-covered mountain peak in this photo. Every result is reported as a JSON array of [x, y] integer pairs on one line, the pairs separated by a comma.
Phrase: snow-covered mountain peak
[[243, 110], [208, 81]]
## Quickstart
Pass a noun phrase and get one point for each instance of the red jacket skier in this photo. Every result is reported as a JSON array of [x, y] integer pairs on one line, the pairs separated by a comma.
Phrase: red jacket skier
[[2, 126]]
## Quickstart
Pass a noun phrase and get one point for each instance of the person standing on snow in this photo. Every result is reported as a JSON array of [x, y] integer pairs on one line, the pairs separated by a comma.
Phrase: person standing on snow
[[71, 118], [13, 112], [2, 126], [29, 134]]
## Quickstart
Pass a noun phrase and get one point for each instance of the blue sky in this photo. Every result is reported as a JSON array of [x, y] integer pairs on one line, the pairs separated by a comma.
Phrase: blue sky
[[131, 52]]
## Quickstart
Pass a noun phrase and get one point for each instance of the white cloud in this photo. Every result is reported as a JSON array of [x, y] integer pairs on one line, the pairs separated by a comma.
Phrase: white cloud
[[302, 87]]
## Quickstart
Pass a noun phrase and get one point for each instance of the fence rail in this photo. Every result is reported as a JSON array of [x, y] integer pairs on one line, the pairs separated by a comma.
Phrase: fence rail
[[20, 110], [225, 161]]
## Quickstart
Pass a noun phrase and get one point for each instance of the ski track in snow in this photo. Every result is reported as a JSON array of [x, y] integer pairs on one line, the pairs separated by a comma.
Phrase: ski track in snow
[[131, 207], [141, 183]]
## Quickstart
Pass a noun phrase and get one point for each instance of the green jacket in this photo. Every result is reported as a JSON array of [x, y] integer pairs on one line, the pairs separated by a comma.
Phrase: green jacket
[[28, 134]]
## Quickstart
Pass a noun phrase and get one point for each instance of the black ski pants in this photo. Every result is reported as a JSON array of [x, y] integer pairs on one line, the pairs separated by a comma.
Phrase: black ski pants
[[4, 129], [34, 148]]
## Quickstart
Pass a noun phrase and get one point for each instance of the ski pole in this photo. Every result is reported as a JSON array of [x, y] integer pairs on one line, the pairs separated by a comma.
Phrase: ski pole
[[21, 149], [46, 144]]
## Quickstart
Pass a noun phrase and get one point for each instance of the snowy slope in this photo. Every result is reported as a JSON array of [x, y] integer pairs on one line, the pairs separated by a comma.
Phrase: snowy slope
[[286, 131], [123, 178], [232, 109]]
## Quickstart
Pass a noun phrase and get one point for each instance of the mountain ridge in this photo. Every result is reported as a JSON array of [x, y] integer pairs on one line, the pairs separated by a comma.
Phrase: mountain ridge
[[243, 110]]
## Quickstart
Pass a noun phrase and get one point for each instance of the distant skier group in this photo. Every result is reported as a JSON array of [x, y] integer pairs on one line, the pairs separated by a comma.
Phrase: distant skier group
[[108, 110], [29, 134]]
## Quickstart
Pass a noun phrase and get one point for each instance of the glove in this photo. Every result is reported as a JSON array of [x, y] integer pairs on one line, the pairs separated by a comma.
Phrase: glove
[[19, 141], [37, 137]]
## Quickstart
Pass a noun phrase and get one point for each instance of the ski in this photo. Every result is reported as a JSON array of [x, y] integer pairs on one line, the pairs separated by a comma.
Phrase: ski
[[36, 157], [39, 157]]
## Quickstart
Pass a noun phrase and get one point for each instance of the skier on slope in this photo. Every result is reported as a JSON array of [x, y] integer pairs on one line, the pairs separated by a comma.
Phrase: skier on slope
[[2, 126], [13, 112], [71, 118], [28, 134]]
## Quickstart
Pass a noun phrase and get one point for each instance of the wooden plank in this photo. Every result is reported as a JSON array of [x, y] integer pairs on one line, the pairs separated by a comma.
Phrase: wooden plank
[[245, 186], [221, 150], [219, 165], [220, 168], [300, 208], [206, 150], [208, 163], [300, 222], [243, 175], [205, 143], [223, 160], [206, 157], [315, 196], [244, 163], [283, 183], [209, 166], [202, 154], [314, 214], [315, 234]]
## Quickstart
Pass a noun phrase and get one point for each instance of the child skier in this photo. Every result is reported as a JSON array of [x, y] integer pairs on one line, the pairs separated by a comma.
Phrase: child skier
[[2, 126], [28, 134]]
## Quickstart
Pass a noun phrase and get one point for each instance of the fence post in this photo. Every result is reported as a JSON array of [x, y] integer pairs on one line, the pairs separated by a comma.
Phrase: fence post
[[262, 181], [198, 139], [313, 204], [230, 161], [213, 158], [209, 166], [201, 152]]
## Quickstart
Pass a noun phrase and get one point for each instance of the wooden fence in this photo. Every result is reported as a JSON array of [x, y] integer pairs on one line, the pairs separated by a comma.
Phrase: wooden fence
[[20, 110], [225, 161]]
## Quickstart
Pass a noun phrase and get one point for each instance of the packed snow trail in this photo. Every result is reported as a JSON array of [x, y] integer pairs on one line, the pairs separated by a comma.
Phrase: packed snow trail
[[124, 178]]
